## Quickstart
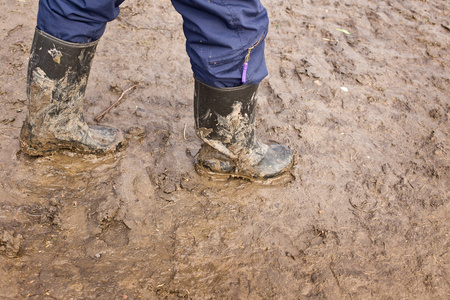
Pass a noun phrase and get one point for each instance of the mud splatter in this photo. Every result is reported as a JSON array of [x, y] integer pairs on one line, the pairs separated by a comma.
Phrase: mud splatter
[[56, 55]]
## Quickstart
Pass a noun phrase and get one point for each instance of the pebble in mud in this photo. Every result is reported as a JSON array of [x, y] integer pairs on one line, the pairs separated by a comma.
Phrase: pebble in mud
[[141, 113], [435, 113]]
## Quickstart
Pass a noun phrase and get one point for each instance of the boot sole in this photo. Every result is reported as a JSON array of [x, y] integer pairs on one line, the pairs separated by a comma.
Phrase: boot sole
[[28, 150], [31, 151], [282, 178]]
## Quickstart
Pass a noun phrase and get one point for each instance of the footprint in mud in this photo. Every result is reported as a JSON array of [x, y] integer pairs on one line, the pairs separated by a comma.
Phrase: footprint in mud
[[115, 234], [274, 100], [359, 198], [136, 193]]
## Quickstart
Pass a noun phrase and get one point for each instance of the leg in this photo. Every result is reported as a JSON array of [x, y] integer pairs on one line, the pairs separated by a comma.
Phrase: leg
[[58, 71], [225, 43]]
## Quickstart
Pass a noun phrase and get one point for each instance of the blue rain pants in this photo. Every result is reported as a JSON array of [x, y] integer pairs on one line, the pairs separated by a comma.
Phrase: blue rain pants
[[221, 35]]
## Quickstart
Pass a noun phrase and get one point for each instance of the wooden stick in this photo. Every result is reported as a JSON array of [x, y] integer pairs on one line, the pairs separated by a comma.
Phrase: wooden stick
[[102, 115]]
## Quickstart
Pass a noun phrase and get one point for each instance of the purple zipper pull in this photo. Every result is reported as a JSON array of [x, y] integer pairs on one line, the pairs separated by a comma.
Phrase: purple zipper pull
[[244, 72], [247, 58]]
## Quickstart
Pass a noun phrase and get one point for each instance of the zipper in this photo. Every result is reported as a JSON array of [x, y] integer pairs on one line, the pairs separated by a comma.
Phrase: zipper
[[247, 58]]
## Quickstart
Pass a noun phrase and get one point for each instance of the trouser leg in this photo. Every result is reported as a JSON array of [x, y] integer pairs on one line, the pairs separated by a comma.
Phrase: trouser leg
[[219, 35], [76, 21]]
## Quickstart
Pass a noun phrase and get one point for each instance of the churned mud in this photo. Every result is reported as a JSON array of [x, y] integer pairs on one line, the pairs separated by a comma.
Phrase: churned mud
[[359, 90]]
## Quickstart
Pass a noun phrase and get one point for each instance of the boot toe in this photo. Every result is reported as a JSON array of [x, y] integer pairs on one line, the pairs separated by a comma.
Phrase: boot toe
[[104, 139], [278, 160]]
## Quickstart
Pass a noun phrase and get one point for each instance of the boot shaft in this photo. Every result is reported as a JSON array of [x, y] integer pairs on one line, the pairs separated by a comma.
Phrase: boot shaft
[[59, 67], [225, 121], [226, 116]]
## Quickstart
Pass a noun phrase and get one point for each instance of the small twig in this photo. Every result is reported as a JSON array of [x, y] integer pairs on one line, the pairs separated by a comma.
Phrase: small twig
[[102, 115], [184, 131], [434, 256], [373, 209]]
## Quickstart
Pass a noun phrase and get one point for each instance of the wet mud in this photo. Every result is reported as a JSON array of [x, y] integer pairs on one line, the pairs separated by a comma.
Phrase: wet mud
[[359, 90]]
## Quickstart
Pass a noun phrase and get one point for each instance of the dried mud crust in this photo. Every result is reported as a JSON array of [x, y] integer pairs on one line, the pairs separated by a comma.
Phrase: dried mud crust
[[366, 215]]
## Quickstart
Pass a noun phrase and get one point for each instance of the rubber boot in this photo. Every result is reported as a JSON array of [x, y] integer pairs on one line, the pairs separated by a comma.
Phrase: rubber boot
[[225, 121], [58, 72]]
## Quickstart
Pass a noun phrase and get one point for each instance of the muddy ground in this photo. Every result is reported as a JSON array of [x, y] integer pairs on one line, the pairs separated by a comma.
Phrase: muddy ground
[[364, 216]]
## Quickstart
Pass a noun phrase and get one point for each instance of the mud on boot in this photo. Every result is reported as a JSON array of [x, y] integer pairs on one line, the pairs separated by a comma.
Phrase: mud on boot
[[58, 72], [225, 121]]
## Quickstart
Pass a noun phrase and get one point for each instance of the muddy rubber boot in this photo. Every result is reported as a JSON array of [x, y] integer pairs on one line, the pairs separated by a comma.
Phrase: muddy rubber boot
[[225, 121], [57, 76]]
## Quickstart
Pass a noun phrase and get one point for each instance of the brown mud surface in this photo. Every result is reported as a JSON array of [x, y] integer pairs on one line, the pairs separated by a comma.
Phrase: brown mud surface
[[365, 214]]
